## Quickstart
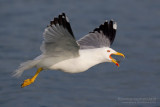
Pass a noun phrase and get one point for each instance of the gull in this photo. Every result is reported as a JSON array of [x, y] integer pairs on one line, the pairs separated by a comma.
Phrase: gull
[[61, 51]]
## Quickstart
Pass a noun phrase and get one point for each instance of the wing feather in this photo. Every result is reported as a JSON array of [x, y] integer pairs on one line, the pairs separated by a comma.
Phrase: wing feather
[[100, 37], [59, 39]]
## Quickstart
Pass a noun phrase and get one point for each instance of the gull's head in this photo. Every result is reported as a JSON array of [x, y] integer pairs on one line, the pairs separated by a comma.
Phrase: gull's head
[[109, 52]]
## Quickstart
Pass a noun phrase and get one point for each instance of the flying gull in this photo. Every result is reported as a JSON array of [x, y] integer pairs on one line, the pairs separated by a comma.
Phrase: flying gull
[[60, 50]]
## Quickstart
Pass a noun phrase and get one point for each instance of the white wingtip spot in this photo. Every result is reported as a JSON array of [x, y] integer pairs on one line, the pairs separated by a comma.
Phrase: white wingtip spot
[[106, 20], [115, 25], [67, 19]]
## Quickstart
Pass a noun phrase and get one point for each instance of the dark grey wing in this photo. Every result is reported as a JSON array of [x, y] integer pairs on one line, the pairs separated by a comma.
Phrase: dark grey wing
[[59, 40], [100, 37]]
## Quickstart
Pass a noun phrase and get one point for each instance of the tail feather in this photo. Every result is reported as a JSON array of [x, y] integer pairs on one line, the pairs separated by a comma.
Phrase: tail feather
[[24, 66]]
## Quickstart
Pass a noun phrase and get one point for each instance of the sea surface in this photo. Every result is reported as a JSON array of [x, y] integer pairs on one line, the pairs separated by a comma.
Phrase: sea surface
[[136, 83]]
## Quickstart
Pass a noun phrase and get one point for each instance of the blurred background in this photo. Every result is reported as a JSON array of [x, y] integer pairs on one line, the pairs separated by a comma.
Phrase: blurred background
[[136, 83]]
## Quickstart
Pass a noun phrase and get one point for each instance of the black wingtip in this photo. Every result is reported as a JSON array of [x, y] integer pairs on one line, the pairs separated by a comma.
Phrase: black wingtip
[[62, 19], [108, 29], [63, 14]]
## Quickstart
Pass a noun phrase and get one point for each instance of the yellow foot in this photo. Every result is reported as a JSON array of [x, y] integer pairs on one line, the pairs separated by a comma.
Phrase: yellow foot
[[31, 80], [27, 82]]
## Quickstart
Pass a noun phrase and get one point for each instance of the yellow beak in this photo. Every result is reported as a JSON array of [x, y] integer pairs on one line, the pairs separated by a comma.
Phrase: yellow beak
[[113, 60]]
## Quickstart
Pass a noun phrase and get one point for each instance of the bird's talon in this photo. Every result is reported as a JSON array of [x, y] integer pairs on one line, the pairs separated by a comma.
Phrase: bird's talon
[[27, 82]]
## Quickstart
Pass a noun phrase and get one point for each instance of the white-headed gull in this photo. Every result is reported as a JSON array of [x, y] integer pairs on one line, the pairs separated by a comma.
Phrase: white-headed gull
[[60, 50]]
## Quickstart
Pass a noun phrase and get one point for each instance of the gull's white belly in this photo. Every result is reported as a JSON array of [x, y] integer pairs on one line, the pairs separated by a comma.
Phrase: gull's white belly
[[86, 60], [74, 65]]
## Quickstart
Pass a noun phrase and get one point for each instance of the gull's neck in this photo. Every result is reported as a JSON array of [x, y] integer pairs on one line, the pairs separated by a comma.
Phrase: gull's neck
[[91, 57]]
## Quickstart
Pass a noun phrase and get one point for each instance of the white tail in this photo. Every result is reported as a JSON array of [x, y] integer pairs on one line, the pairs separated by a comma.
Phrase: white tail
[[25, 66]]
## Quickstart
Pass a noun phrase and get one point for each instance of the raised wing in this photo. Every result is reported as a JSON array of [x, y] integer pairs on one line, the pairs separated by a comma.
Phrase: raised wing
[[59, 40], [100, 37]]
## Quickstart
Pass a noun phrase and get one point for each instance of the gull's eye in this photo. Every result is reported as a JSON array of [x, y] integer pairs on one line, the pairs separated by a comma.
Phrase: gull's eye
[[108, 50]]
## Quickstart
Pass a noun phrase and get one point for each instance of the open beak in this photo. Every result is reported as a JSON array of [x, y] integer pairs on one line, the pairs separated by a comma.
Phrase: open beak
[[113, 60]]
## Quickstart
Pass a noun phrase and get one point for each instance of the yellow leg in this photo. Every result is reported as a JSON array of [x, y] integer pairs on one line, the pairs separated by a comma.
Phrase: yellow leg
[[31, 80]]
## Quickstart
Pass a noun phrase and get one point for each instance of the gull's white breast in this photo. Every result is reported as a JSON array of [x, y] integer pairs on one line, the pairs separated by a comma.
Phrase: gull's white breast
[[87, 59]]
